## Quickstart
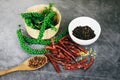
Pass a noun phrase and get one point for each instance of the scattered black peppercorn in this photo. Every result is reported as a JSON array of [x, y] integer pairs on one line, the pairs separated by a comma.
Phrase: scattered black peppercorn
[[83, 32]]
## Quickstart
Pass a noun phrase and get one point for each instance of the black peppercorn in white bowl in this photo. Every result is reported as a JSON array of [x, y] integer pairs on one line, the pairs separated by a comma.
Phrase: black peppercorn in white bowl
[[91, 30]]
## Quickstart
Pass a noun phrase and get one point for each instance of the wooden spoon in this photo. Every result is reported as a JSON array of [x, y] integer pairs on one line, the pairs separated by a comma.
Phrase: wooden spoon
[[32, 63]]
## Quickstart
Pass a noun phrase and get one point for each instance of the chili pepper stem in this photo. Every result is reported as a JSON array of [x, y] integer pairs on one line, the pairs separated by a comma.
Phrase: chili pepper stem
[[53, 43]]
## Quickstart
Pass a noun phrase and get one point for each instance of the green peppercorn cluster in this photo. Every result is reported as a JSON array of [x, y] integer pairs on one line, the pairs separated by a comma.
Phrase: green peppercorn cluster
[[37, 20], [24, 39], [26, 47], [46, 21], [40, 21]]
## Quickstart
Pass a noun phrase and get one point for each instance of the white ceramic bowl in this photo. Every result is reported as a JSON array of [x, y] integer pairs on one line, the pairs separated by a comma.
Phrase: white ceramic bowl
[[84, 21]]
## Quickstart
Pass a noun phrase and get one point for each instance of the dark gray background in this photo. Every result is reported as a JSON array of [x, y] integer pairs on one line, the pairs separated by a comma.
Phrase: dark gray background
[[107, 63]]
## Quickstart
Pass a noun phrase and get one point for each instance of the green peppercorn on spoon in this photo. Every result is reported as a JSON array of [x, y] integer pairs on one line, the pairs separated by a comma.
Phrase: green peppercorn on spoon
[[26, 65]]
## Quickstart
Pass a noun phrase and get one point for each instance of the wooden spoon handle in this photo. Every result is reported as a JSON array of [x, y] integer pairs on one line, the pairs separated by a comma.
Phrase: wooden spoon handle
[[2, 72], [13, 69]]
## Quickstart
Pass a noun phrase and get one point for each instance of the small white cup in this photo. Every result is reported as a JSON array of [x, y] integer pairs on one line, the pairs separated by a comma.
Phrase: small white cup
[[84, 21]]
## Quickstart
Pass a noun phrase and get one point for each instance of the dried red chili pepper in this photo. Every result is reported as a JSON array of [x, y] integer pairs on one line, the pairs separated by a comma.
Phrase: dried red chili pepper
[[54, 63], [68, 49], [74, 67], [74, 50], [53, 50], [67, 52], [81, 48], [64, 52], [61, 55], [56, 66], [57, 51], [79, 64], [63, 38], [76, 45], [90, 63], [52, 40]]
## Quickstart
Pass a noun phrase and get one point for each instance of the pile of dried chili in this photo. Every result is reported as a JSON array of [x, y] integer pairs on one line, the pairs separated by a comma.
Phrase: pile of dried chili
[[83, 32], [65, 52]]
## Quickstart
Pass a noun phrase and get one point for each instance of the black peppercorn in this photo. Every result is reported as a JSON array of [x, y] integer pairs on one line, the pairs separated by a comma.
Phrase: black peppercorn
[[83, 32]]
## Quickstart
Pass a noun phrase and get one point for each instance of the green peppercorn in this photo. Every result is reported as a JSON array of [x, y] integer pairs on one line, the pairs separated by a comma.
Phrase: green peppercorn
[[39, 21], [23, 39]]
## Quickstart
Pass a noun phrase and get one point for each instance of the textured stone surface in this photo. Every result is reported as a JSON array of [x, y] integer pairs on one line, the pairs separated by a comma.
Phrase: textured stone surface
[[107, 63]]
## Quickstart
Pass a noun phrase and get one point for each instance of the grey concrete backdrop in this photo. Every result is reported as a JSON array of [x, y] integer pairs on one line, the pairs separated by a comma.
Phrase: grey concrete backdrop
[[107, 63]]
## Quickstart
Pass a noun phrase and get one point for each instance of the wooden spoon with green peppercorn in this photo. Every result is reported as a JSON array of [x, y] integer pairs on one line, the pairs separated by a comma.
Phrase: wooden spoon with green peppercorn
[[32, 63]]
